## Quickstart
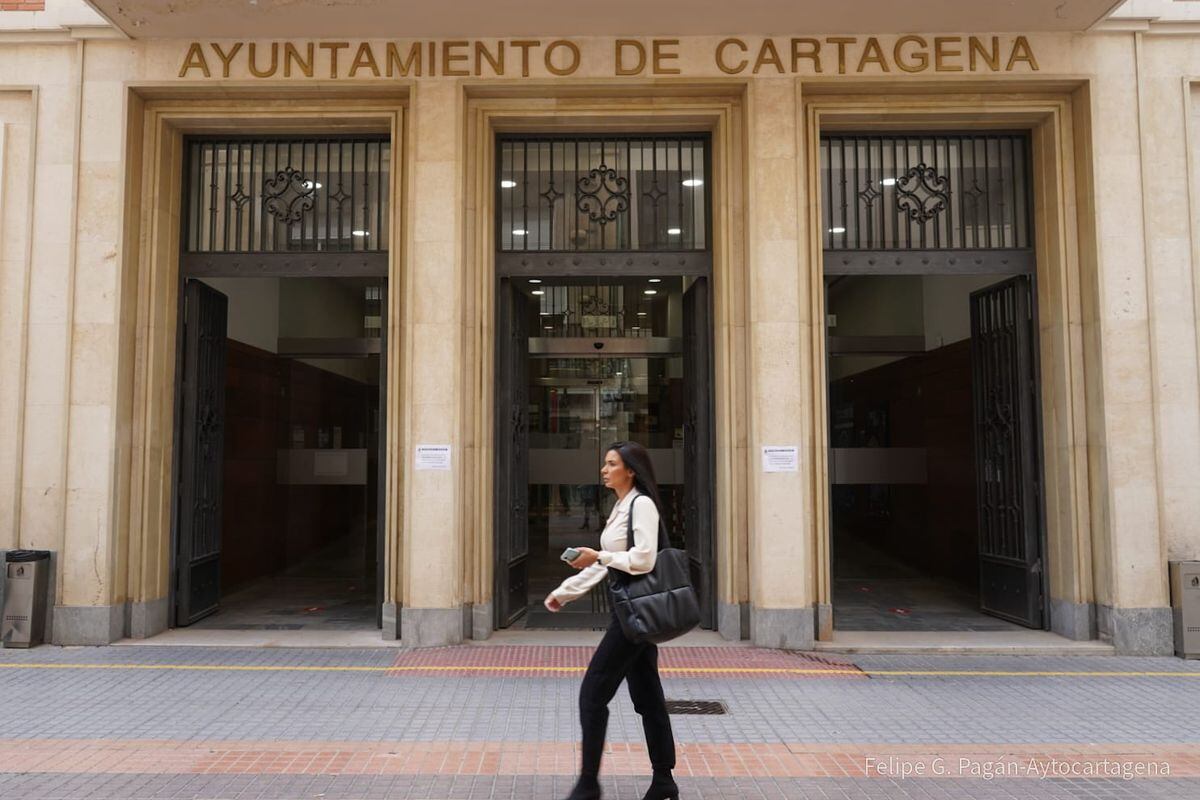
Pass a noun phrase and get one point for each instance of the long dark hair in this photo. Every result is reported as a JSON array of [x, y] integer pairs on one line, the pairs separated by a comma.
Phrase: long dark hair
[[638, 461]]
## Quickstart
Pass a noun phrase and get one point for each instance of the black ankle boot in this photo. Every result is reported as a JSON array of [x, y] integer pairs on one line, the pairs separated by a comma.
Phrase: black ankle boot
[[586, 788], [662, 787]]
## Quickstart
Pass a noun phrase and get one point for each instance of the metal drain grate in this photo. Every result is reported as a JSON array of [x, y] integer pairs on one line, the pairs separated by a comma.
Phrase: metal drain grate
[[695, 707]]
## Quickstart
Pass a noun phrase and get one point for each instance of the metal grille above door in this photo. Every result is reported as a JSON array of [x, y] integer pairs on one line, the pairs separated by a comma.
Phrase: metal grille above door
[[295, 206], [640, 196], [917, 203]]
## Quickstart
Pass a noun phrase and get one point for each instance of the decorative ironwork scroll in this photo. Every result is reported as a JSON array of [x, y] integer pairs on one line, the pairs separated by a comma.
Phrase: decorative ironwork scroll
[[288, 195], [922, 193], [603, 181]]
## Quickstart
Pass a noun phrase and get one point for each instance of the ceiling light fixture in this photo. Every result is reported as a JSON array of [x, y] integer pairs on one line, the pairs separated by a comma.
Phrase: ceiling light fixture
[[837, 230], [535, 280], [538, 293], [888, 181], [312, 184], [507, 184], [650, 291], [641, 313], [360, 233], [519, 231], [674, 231], [693, 182], [655, 280]]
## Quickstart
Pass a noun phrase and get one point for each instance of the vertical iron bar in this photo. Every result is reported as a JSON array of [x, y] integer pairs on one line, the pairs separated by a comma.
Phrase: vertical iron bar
[[379, 190], [845, 221], [366, 198], [525, 194], [854, 198], [1011, 239], [827, 149], [212, 201], [682, 189], [987, 177]]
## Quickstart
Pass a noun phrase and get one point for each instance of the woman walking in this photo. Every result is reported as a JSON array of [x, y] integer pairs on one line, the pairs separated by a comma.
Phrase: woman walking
[[628, 472]]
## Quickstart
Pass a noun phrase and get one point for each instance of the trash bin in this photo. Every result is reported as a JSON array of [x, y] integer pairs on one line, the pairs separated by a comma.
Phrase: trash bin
[[1185, 606], [24, 620]]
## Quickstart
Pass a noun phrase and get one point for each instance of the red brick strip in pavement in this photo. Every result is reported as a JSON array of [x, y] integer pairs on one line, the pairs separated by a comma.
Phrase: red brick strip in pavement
[[798, 760], [549, 661]]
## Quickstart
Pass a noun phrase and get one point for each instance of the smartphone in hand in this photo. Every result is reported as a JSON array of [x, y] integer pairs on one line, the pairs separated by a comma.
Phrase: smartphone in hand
[[569, 555]]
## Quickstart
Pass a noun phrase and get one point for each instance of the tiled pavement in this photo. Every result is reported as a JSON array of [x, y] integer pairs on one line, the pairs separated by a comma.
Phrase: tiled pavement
[[500, 722]]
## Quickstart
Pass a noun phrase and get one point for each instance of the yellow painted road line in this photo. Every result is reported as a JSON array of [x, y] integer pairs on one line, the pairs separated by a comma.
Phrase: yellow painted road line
[[934, 673]]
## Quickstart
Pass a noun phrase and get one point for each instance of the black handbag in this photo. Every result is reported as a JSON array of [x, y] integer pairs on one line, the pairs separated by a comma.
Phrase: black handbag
[[658, 605]]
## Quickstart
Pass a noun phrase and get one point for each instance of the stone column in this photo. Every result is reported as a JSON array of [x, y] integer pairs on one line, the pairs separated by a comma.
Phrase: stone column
[[432, 303], [780, 548], [1137, 409]]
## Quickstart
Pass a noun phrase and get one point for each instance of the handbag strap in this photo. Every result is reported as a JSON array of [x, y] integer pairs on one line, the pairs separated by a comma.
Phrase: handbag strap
[[662, 529]]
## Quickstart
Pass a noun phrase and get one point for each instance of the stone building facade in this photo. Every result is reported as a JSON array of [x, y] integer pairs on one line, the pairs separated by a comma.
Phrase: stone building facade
[[99, 104]]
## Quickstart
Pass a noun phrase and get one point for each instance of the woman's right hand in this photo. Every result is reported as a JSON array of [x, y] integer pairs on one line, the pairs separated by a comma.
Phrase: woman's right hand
[[552, 603]]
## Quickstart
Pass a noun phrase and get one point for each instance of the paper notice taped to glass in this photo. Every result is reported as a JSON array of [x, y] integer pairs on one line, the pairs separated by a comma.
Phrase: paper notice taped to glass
[[777, 458], [432, 457]]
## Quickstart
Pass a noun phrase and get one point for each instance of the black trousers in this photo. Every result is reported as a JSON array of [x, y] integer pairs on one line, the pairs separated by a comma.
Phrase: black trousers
[[618, 659]]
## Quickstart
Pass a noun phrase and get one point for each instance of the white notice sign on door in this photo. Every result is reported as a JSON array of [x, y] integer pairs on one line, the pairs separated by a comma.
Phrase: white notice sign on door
[[433, 456], [780, 459]]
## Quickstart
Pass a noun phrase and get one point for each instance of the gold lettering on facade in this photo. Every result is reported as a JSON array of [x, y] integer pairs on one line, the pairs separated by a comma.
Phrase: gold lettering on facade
[[990, 57], [226, 58], [396, 65], [621, 46], [722, 65], [811, 51], [524, 45], [920, 58], [660, 55], [910, 53], [841, 42], [483, 54], [290, 54], [450, 57], [941, 53], [333, 48], [767, 54], [264, 73], [571, 48], [194, 60], [364, 59], [872, 54], [1021, 52]]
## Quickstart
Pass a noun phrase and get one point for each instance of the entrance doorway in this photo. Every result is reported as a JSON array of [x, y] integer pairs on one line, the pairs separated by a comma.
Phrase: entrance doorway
[[934, 430], [281, 392], [603, 335], [281, 386]]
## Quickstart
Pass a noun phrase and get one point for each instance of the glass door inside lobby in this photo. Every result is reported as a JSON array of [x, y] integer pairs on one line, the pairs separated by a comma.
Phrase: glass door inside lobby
[[596, 363], [578, 407]]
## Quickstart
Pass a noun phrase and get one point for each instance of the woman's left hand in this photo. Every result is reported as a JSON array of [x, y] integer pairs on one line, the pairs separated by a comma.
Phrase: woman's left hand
[[587, 557]]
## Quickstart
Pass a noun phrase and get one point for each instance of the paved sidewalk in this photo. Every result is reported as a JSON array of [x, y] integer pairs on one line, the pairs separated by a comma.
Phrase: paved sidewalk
[[500, 722]]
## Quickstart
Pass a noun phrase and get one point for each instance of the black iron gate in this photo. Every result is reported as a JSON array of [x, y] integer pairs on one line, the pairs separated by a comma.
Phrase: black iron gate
[[198, 540], [1006, 464], [697, 448], [512, 454]]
